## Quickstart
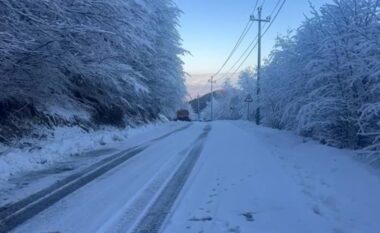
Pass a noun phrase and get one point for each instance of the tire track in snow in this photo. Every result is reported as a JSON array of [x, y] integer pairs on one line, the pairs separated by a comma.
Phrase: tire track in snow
[[124, 219], [154, 217], [17, 213]]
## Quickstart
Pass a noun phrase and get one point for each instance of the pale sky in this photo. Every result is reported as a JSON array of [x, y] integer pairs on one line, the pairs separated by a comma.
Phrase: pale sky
[[210, 28]]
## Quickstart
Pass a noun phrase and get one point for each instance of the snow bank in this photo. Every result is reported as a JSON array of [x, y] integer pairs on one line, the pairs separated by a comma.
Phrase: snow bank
[[65, 142], [307, 145]]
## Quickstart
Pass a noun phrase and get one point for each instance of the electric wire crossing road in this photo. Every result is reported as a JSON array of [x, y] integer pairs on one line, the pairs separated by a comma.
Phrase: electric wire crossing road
[[256, 42]]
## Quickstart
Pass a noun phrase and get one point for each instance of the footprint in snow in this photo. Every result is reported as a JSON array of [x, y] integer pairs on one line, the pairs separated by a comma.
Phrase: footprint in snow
[[203, 219], [234, 230], [317, 210], [248, 216], [337, 230], [323, 183]]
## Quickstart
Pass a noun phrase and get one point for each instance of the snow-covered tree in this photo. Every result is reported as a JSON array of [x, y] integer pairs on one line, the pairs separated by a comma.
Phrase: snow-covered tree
[[323, 79], [104, 62], [226, 103]]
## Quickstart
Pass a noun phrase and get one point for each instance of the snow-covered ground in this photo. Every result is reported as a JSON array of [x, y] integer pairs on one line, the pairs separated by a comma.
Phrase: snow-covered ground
[[252, 179], [23, 171], [116, 200], [247, 179]]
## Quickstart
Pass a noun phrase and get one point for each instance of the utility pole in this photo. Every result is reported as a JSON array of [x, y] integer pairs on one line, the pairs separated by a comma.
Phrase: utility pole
[[198, 107], [212, 97], [260, 21]]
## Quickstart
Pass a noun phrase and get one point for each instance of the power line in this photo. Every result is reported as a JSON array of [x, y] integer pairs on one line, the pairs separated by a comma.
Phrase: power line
[[243, 54], [246, 29], [275, 7], [275, 17], [238, 43], [250, 48], [254, 42], [263, 3], [266, 30], [241, 38], [254, 9]]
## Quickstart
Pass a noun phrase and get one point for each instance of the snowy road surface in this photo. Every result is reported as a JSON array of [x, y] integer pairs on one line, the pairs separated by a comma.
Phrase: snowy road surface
[[223, 177]]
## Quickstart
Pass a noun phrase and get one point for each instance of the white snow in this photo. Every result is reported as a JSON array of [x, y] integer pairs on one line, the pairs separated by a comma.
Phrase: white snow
[[248, 179], [253, 179], [115, 201], [70, 141]]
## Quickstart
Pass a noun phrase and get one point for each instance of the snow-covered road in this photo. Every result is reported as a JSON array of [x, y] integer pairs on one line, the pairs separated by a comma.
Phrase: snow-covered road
[[223, 177]]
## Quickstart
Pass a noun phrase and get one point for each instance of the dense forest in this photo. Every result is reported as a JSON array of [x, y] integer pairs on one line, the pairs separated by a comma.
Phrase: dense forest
[[323, 79], [87, 63]]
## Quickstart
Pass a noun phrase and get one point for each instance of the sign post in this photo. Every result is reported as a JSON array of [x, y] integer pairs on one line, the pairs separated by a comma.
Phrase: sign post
[[248, 100]]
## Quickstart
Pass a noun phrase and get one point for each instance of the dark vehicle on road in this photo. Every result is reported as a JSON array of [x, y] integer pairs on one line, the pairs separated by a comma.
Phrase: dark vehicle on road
[[183, 115]]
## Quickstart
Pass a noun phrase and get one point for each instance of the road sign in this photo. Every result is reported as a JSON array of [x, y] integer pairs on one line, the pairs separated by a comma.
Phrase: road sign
[[248, 99]]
